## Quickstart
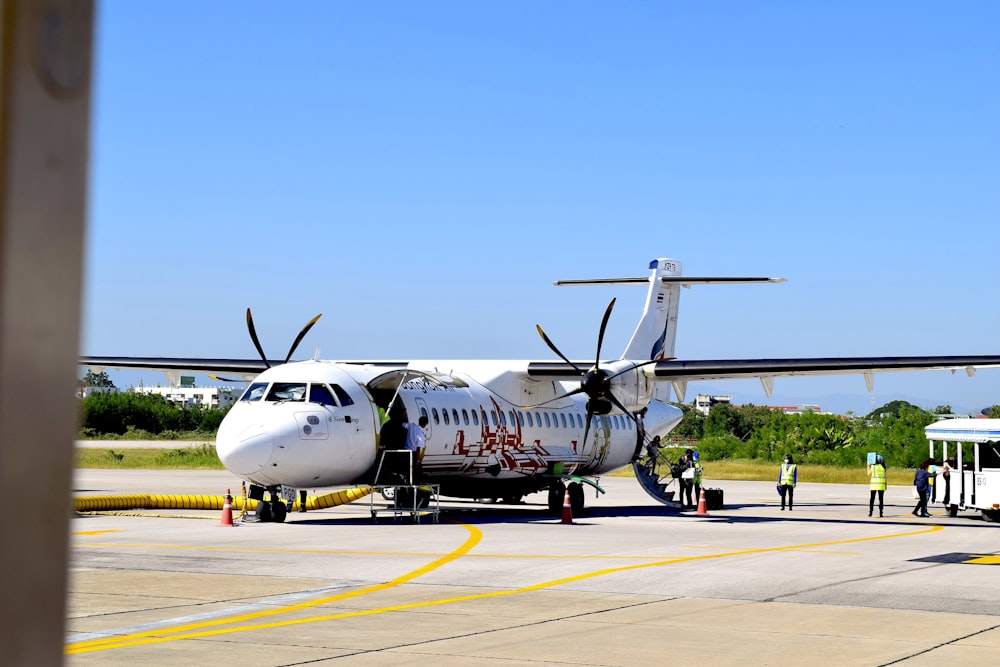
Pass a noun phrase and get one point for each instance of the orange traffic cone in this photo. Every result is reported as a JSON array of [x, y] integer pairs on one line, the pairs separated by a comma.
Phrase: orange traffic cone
[[227, 511], [567, 515], [702, 506]]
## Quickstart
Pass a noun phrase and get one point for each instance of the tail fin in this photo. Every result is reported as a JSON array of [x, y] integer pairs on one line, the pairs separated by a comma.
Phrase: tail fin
[[656, 333]]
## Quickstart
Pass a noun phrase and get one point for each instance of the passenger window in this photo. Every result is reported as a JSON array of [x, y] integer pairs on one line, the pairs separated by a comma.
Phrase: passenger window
[[255, 392], [493, 415], [454, 413], [562, 418], [520, 418], [547, 423], [434, 414], [423, 411], [342, 395], [465, 416], [503, 418], [485, 420], [513, 418], [475, 418], [444, 415], [319, 393], [579, 420], [531, 422], [287, 391]]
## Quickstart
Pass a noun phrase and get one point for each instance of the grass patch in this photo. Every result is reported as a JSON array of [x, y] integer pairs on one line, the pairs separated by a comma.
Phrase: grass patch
[[191, 458], [133, 433], [765, 471]]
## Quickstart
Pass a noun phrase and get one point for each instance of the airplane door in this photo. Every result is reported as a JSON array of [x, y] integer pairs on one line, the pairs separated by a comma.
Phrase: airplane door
[[424, 412]]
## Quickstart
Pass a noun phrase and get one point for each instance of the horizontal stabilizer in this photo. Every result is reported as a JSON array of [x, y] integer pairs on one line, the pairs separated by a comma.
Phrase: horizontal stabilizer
[[683, 280]]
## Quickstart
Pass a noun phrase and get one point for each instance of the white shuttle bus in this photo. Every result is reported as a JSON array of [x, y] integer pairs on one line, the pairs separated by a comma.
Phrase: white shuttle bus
[[966, 453]]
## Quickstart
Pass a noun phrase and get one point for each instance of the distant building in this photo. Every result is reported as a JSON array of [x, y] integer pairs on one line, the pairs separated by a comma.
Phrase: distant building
[[704, 402], [196, 397]]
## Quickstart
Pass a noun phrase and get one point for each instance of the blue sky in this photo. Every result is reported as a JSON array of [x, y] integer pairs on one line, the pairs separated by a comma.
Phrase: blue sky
[[420, 173]]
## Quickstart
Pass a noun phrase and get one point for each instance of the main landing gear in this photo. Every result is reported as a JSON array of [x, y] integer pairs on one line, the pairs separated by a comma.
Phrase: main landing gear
[[557, 496]]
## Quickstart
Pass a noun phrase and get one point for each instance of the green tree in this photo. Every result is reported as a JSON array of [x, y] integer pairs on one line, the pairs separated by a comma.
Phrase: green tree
[[691, 425], [101, 380]]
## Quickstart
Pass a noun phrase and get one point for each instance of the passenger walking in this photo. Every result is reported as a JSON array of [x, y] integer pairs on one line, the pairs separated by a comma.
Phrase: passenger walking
[[787, 478], [877, 477], [922, 486]]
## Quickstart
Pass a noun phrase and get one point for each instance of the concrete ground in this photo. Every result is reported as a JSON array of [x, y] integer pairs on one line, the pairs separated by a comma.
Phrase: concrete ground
[[629, 583]]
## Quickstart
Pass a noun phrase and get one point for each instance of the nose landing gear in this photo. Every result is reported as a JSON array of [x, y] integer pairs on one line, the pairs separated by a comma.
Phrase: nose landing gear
[[272, 509]]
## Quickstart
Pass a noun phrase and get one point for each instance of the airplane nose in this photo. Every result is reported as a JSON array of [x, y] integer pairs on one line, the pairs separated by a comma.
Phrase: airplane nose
[[247, 454]]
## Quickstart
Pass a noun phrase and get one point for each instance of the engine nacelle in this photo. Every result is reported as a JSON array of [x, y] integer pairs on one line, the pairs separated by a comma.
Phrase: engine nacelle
[[629, 384]]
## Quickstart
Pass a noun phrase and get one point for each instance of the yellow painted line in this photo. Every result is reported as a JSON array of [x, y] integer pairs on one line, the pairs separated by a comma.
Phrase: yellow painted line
[[156, 637], [95, 532], [404, 554], [475, 535], [983, 560]]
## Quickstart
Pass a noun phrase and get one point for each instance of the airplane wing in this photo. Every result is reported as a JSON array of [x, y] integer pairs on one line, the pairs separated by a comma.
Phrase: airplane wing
[[680, 372], [180, 364], [245, 369], [722, 369]]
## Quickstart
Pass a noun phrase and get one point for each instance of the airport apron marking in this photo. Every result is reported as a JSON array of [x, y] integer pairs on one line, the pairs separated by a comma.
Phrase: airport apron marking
[[193, 631], [961, 558]]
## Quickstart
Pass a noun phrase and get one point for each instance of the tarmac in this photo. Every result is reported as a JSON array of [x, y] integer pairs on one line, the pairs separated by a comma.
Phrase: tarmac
[[631, 582]]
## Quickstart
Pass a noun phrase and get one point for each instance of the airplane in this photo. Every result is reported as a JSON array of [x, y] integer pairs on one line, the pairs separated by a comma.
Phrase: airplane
[[496, 428]]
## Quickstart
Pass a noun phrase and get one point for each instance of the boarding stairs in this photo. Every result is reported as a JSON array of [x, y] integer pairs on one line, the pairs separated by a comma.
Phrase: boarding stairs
[[395, 482], [660, 487]]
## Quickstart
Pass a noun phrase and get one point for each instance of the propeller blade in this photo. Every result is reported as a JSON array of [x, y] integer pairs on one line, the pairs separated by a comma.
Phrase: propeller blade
[[552, 346], [586, 429], [618, 404], [638, 365], [600, 335], [256, 341], [302, 334]]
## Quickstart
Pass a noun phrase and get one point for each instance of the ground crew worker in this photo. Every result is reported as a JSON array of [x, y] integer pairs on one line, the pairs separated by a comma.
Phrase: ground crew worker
[[787, 479], [687, 470], [876, 472], [697, 476]]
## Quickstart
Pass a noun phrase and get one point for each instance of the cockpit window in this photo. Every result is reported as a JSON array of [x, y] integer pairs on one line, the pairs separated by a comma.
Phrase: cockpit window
[[287, 391], [320, 393], [254, 392], [342, 395]]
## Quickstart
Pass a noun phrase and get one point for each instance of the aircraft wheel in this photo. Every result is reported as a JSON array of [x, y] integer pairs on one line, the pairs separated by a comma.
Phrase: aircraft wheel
[[512, 500], [263, 511], [557, 493], [952, 511], [278, 511], [576, 498]]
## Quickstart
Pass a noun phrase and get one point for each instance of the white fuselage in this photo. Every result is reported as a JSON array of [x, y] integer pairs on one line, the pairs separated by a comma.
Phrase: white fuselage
[[316, 424]]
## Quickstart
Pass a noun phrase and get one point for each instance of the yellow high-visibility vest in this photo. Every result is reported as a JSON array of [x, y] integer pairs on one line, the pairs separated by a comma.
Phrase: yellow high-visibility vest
[[878, 478], [787, 474]]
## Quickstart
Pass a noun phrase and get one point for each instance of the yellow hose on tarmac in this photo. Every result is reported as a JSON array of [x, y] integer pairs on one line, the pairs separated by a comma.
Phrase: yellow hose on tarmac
[[162, 502]]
